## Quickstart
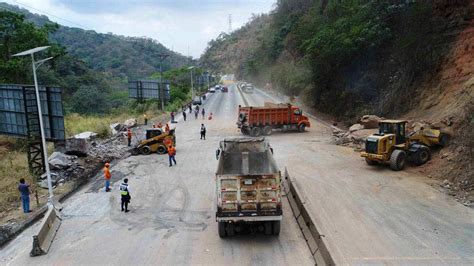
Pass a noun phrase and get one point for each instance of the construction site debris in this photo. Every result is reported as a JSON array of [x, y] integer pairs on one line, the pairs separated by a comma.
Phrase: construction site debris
[[78, 147], [132, 122], [59, 160], [356, 127], [86, 135]]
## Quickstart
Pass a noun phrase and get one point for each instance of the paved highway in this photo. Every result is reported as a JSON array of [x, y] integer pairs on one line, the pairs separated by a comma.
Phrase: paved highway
[[172, 217], [367, 214]]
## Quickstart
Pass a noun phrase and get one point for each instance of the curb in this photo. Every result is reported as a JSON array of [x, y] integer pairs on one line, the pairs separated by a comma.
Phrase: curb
[[316, 242]]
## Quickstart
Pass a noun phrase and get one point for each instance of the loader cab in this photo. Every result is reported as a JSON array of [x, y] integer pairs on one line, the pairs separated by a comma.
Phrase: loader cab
[[153, 132], [395, 127]]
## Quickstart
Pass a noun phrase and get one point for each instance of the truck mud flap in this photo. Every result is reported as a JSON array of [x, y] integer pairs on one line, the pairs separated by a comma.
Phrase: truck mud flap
[[314, 239], [43, 240]]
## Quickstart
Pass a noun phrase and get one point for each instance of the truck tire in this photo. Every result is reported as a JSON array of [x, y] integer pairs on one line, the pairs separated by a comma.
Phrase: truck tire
[[229, 229], [301, 127], [276, 228], [256, 132], [443, 140], [244, 131], [422, 155], [268, 228], [161, 149], [267, 130], [221, 229], [145, 150], [370, 162], [398, 160]]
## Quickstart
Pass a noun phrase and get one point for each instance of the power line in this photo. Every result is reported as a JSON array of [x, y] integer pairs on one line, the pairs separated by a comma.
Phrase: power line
[[44, 12]]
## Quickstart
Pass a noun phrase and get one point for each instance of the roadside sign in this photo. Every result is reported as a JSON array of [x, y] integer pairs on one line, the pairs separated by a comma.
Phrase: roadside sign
[[148, 89]]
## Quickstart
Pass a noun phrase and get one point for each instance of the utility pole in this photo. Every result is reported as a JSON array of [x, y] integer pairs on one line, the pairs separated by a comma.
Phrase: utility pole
[[192, 84], [162, 89]]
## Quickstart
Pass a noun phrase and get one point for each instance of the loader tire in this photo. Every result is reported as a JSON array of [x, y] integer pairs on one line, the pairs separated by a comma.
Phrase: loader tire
[[267, 130], [398, 160], [256, 132], [145, 150], [422, 155], [443, 140], [221, 229], [161, 149]]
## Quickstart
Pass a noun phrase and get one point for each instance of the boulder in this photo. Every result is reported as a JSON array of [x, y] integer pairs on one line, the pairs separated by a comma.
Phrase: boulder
[[132, 122], [59, 160], [86, 135], [79, 147], [370, 121], [417, 126], [356, 127]]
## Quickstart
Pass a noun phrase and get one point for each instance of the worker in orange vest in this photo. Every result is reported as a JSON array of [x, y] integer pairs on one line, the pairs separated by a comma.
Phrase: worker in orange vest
[[159, 125], [167, 128], [107, 176], [129, 137], [171, 154], [145, 118]]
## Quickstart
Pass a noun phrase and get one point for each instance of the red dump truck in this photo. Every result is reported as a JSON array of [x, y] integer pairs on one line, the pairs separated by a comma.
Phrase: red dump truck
[[257, 121]]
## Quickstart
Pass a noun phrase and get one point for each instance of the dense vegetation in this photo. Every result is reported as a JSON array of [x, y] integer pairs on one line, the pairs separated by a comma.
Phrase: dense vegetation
[[348, 57]]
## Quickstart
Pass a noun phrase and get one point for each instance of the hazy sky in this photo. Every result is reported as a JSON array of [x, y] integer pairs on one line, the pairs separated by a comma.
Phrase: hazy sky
[[178, 24]]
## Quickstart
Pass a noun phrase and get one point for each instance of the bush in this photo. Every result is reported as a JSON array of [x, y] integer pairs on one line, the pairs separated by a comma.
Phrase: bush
[[89, 100]]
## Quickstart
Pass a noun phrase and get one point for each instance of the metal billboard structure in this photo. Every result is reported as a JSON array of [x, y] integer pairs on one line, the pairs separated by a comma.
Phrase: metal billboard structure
[[148, 89], [19, 118]]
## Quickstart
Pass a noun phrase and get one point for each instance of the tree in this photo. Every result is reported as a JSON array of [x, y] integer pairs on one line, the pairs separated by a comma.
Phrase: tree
[[89, 100]]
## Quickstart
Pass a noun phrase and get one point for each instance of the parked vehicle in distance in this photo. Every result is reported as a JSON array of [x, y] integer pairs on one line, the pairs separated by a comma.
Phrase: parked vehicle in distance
[[247, 88], [248, 187], [197, 100], [257, 121], [224, 89], [212, 90]]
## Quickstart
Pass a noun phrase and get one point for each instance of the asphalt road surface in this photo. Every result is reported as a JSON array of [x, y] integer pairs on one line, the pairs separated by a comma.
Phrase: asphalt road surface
[[368, 215]]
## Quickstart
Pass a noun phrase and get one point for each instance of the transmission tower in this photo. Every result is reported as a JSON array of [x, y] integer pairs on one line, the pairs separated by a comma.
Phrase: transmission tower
[[230, 23]]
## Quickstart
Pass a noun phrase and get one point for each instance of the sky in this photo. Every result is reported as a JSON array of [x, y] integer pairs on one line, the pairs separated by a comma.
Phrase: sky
[[185, 26]]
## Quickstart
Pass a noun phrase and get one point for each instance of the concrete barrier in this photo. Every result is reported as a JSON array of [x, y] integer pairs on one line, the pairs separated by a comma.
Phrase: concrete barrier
[[48, 228], [315, 240]]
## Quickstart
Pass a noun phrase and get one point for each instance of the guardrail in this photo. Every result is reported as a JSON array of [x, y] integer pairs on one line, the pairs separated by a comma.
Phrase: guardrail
[[49, 226], [316, 241]]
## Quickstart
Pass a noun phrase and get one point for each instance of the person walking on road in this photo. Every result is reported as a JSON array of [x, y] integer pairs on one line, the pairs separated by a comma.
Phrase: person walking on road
[[190, 108], [203, 113], [203, 132], [172, 154], [25, 195], [184, 115], [145, 118], [107, 177], [125, 193], [129, 137], [172, 117], [196, 114]]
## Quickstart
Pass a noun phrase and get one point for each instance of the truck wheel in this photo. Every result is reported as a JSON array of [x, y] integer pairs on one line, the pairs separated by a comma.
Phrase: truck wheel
[[145, 150], [276, 228], [244, 131], [370, 162], [161, 149], [230, 229], [422, 155], [302, 128], [397, 160], [267, 130], [221, 229], [268, 228], [256, 132]]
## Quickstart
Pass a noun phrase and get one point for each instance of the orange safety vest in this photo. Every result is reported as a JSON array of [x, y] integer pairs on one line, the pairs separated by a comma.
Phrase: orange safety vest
[[107, 173], [171, 151], [129, 134], [167, 128]]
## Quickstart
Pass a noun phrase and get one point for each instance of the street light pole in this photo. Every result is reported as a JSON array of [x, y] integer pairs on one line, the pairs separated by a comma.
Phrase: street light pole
[[36, 65], [192, 84]]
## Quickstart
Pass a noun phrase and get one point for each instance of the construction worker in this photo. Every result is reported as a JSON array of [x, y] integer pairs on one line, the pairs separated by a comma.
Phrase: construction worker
[[203, 112], [145, 118], [159, 125], [203, 132], [25, 195], [167, 128], [184, 115], [125, 193], [171, 154], [107, 176], [129, 137]]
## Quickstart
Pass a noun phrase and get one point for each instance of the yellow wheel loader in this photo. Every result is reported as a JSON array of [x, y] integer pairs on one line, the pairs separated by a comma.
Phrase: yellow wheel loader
[[393, 146], [155, 141]]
